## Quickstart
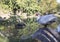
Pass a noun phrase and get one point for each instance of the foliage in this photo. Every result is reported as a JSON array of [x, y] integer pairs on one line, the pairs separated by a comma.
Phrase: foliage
[[48, 5], [58, 7], [27, 6], [3, 39]]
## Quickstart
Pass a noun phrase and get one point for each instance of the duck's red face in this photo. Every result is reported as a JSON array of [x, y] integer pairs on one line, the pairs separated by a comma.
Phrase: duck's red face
[[37, 14]]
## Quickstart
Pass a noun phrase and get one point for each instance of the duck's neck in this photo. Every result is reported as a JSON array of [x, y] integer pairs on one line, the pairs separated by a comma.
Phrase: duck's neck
[[38, 17]]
